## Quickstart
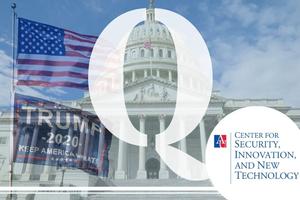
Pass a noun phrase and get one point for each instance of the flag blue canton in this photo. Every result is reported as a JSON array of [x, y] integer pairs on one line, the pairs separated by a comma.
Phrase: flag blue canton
[[38, 38]]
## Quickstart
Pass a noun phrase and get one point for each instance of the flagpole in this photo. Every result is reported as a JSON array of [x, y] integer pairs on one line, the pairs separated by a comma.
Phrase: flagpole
[[13, 7]]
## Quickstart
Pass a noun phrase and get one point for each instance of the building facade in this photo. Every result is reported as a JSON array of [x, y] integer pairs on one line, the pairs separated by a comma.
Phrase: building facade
[[150, 83]]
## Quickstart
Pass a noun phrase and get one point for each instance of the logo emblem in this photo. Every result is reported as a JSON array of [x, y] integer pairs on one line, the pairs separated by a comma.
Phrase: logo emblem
[[220, 141]]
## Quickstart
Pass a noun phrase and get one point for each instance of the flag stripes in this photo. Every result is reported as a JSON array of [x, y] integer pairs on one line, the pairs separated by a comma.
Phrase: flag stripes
[[49, 56]]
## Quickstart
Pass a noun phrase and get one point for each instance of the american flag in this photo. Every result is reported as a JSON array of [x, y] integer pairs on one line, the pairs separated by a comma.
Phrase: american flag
[[49, 56]]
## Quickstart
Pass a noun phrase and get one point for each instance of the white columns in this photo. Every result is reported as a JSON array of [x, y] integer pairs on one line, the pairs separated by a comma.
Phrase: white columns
[[202, 139], [145, 73], [101, 145], [133, 76], [29, 166], [170, 75], [163, 172], [157, 73], [26, 142], [120, 173], [33, 144], [182, 147], [86, 149], [142, 174], [81, 147], [220, 117]]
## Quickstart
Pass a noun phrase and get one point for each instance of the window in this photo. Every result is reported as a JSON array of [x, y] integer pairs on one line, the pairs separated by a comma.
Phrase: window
[[158, 32], [125, 57], [160, 53], [151, 53], [133, 54], [142, 53], [3, 140], [169, 54]]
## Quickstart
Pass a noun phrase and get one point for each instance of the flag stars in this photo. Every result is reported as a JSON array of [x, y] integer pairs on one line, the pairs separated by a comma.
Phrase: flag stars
[[37, 38]]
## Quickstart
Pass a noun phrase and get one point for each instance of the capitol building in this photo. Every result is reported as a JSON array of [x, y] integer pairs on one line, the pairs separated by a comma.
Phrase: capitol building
[[150, 84]]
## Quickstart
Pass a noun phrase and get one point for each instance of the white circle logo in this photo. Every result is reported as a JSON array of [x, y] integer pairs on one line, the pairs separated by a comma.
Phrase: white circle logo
[[253, 154]]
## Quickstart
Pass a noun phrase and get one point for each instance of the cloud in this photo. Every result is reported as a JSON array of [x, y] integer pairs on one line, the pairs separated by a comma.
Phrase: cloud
[[257, 54], [182, 9], [5, 79], [5, 41], [268, 72], [94, 5], [236, 9]]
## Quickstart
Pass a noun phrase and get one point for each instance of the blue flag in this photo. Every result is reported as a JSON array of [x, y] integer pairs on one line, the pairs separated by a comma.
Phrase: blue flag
[[47, 133]]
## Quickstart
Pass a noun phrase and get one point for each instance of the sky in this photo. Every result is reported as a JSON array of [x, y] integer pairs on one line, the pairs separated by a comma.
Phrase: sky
[[254, 45]]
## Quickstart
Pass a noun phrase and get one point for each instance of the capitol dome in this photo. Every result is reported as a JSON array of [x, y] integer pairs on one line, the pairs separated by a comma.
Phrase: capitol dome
[[150, 52]]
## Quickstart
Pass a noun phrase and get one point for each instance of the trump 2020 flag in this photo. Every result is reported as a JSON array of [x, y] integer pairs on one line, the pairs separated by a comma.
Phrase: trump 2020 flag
[[49, 56], [47, 133]]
